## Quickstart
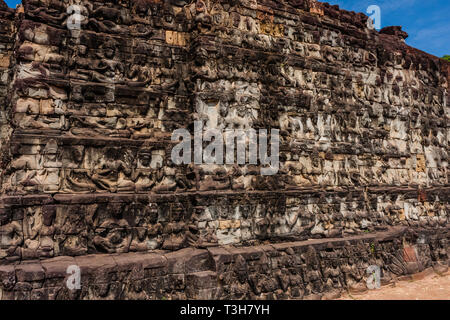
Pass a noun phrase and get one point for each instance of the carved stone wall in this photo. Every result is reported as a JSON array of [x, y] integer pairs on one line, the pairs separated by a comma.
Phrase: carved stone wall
[[7, 34], [87, 114], [319, 269]]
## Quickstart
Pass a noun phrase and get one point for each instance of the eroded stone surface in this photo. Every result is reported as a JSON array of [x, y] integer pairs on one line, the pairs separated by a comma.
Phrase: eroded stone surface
[[87, 115], [314, 269]]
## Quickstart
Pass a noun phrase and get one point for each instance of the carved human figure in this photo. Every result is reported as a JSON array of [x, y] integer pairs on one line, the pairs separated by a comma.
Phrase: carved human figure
[[112, 174]]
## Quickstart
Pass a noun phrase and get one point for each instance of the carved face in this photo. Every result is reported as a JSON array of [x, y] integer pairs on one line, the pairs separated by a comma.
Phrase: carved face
[[198, 211], [152, 212], [142, 7], [177, 212], [110, 53], [200, 6], [81, 50], [115, 209], [77, 154], [145, 158], [109, 49]]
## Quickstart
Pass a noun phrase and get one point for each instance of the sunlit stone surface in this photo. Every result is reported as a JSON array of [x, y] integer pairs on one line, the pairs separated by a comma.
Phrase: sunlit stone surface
[[86, 121]]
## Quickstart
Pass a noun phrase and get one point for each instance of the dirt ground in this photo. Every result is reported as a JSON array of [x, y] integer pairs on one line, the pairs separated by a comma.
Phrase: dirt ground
[[431, 287]]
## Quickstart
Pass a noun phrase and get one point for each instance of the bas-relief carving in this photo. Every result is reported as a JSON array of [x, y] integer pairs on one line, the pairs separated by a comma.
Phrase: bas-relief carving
[[91, 113]]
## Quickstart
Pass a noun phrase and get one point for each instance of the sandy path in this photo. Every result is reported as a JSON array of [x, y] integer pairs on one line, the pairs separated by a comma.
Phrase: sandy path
[[432, 287]]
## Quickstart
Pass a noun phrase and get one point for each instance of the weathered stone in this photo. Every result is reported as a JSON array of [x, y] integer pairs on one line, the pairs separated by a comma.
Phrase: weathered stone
[[86, 117]]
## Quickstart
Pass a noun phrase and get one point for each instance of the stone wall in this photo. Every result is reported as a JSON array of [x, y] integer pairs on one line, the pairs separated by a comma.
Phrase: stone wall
[[7, 34], [45, 226], [87, 117], [318, 269]]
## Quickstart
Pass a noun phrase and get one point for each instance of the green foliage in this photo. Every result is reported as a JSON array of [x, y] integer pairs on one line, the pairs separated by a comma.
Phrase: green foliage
[[446, 57]]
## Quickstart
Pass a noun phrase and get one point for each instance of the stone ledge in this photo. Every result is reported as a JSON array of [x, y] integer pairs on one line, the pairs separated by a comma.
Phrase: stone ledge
[[85, 198], [217, 272]]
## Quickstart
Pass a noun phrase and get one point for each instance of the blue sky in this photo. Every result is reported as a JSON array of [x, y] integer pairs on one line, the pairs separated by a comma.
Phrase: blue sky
[[426, 21], [12, 3]]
